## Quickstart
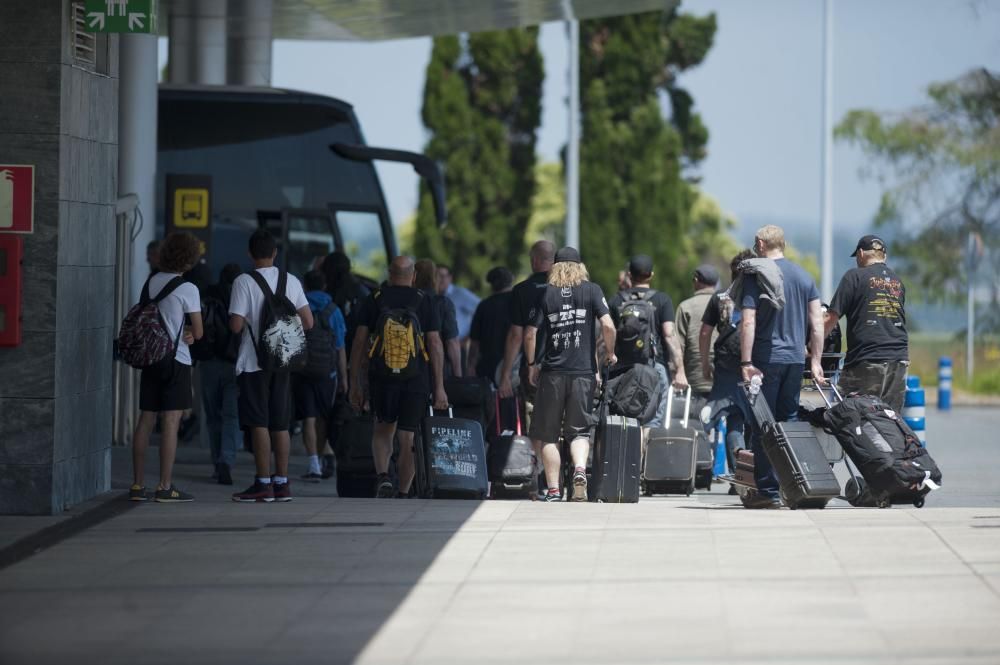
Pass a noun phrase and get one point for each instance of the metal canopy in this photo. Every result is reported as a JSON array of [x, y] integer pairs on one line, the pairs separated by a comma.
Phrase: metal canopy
[[371, 20]]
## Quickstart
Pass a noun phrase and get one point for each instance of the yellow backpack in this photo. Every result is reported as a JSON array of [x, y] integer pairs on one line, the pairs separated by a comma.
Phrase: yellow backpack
[[398, 343]]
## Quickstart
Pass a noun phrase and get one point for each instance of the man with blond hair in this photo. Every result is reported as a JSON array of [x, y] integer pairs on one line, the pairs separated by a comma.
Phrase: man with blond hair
[[772, 346], [564, 371]]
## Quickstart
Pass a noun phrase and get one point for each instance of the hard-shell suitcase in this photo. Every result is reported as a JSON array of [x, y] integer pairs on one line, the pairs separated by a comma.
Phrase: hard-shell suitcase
[[894, 467], [805, 478], [355, 464], [704, 463], [454, 458], [617, 460], [670, 463], [743, 473], [511, 457]]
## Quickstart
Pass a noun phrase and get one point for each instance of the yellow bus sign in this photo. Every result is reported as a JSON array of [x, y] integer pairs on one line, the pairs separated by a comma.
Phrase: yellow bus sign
[[191, 208]]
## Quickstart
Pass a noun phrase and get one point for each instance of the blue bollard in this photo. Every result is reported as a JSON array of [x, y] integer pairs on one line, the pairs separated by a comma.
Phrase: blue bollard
[[944, 384], [914, 411], [720, 449]]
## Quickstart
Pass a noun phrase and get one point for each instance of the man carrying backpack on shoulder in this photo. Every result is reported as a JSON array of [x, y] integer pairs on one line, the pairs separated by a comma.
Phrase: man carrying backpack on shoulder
[[644, 320], [165, 385], [325, 374], [270, 311], [398, 333]]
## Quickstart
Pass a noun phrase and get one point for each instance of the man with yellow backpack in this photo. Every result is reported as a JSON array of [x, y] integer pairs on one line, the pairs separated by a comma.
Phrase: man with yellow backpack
[[396, 346]]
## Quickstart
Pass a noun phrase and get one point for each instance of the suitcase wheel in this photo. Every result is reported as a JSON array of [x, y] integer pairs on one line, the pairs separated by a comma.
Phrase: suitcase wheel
[[690, 489], [918, 502]]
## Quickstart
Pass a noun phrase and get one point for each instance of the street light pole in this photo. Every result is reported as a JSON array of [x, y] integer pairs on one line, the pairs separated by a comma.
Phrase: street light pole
[[573, 139], [826, 206]]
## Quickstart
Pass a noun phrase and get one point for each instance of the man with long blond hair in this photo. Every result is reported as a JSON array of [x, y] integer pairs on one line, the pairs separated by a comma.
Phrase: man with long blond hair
[[565, 367]]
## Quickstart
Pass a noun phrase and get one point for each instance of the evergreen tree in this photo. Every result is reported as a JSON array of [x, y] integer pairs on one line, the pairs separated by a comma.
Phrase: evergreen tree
[[482, 106], [633, 195]]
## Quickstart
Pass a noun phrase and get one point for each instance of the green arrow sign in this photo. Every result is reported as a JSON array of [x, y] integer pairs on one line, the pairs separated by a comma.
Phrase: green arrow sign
[[137, 16]]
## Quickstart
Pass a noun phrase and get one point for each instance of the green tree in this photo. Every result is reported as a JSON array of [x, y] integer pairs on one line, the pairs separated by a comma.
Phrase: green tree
[[548, 208], [633, 194], [482, 106], [940, 166]]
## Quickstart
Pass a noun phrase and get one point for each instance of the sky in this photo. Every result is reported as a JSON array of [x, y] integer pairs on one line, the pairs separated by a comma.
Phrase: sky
[[759, 92]]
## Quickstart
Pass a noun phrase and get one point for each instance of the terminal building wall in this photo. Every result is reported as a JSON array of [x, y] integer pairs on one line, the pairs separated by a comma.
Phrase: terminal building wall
[[60, 113]]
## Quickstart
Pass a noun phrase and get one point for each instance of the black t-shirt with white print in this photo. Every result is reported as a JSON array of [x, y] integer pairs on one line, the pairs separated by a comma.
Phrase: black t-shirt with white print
[[872, 299], [565, 319]]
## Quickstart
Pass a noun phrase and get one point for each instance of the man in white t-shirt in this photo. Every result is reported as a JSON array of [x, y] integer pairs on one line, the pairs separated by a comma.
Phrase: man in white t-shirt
[[265, 395], [165, 389]]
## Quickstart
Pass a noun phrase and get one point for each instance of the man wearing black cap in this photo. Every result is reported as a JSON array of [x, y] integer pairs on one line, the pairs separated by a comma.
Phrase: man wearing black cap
[[564, 368], [490, 324], [872, 297], [662, 335], [688, 321]]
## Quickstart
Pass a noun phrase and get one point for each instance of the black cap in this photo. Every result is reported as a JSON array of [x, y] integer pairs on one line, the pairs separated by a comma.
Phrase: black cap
[[640, 264], [707, 274], [869, 242], [568, 255]]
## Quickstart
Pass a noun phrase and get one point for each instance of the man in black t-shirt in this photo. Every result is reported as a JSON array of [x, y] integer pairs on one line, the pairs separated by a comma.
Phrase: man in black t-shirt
[[663, 335], [565, 370], [872, 297], [490, 323], [397, 404]]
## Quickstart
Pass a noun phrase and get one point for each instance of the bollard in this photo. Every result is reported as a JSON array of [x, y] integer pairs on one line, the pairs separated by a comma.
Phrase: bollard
[[914, 412], [720, 449], [944, 384]]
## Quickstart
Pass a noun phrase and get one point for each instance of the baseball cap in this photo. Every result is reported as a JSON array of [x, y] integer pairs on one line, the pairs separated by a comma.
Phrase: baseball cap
[[640, 264], [869, 242], [568, 255], [706, 274]]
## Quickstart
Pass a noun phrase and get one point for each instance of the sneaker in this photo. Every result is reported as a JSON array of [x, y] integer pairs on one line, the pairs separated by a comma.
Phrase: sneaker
[[256, 493], [383, 487], [755, 501], [580, 485], [311, 477], [282, 491], [172, 495], [551, 495], [225, 475], [138, 493], [328, 466]]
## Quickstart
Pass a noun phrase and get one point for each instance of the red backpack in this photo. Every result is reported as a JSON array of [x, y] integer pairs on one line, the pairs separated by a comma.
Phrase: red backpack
[[144, 339]]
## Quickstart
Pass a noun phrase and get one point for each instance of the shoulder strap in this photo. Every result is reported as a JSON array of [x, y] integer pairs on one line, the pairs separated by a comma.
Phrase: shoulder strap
[[262, 283], [167, 289], [325, 314], [282, 282]]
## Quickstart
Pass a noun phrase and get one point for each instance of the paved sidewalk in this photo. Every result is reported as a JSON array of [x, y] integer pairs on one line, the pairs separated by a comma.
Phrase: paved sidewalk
[[668, 580]]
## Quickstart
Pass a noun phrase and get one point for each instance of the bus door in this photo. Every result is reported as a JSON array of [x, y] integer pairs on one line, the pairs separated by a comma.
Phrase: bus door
[[303, 237], [365, 234]]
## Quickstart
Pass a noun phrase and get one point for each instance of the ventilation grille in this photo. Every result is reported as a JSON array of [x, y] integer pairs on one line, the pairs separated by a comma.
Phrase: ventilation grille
[[84, 43]]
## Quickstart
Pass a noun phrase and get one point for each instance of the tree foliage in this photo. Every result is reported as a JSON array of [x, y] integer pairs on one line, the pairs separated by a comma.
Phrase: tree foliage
[[939, 165], [482, 107], [633, 194]]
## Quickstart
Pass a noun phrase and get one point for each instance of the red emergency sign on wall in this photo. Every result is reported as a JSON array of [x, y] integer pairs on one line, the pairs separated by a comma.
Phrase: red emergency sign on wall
[[17, 198]]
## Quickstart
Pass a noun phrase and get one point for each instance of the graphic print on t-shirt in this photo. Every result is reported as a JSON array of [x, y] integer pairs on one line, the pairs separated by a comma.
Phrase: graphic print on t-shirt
[[885, 292]]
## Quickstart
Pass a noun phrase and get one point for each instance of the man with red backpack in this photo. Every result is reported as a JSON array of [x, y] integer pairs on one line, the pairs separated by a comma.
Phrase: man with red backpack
[[155, 339], [269, 309]]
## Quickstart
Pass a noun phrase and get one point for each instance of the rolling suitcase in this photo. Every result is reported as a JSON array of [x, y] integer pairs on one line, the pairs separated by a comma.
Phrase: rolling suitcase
[[804, 475], [454, 458], [671, 458], [617, 456], [511, 457], [355, 464], [894, 467]]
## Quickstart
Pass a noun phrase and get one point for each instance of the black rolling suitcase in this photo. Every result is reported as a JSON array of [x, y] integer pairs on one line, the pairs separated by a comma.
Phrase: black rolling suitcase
[[617, 456], [804, 474], [355, 464], [511, 457], [453, 455], [895, 468], [670, 463]]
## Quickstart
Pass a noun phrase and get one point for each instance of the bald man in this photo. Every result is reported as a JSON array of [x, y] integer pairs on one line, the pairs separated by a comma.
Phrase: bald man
[[398, 405]]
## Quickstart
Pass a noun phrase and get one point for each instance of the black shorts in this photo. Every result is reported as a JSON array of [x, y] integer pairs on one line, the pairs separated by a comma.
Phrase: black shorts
[[313, 398], [265, 400], [395, 403], [165, 387], [564, 405]]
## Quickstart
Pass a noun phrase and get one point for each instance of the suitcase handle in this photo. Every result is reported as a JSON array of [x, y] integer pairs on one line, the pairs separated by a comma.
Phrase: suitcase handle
[[670, 404], [430, 411], [822, 393], [517, 414]]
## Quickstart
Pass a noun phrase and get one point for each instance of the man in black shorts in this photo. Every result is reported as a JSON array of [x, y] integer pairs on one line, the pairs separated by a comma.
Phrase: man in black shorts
[[398, 403], [872, 297], [565, 369]]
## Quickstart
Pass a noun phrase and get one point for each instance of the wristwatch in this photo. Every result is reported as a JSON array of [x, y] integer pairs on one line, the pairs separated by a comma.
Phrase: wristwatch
[[746, 363]]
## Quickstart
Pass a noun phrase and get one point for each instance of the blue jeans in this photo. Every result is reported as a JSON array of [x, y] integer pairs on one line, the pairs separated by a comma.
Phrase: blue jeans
[[725, 385], [782, 383], [218, 394], [661, 411]]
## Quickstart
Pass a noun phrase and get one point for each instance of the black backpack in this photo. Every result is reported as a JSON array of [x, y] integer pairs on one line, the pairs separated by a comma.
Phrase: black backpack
[[321, 358], [727, 344], [217, 340], [636, 328], [397, 342], [281, 345], [635, 393]]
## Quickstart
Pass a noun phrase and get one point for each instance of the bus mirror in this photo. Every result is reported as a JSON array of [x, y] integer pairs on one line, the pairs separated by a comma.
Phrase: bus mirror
[[425, 167]]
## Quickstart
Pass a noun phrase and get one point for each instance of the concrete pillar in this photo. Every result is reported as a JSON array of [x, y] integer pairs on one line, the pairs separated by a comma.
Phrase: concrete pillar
[[248, 50], [197, 42], [59, 113]]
